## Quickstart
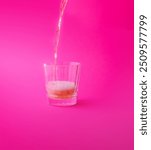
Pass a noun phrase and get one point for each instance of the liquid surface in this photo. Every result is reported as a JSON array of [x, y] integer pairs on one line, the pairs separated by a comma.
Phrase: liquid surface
[[60, 89]]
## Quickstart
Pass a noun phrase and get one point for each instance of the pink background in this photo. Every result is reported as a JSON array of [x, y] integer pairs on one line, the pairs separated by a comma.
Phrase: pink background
[[97, 33]]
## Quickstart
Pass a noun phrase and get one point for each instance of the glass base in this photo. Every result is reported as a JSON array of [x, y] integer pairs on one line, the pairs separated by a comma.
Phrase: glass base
[[63, 102]]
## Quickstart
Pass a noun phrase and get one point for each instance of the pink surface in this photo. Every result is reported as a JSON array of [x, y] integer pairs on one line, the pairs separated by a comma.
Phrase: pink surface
[[97, 33]]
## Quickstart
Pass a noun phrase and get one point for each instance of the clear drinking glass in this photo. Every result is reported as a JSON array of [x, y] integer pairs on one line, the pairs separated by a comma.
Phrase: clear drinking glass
[[62, 83]]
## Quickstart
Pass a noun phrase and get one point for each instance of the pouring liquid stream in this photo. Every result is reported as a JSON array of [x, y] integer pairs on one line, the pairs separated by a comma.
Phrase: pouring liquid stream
[[61, 80], [57, 38]]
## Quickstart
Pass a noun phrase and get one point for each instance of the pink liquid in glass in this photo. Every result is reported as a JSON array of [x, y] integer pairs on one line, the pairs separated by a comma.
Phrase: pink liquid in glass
[[60, 90], [61, 93]]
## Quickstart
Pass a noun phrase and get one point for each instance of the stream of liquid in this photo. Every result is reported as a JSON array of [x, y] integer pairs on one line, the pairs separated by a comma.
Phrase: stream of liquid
[[58, 89], [57, 38]]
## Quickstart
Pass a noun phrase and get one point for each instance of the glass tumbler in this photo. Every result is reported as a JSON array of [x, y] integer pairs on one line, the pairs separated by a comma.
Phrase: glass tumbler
[[61, 83]]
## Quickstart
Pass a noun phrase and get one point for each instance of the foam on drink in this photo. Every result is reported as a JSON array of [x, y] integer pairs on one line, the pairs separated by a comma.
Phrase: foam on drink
[[60, 89]]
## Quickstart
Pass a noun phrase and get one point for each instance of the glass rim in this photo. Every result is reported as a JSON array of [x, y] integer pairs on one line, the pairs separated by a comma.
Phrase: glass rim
[[62, 64]]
